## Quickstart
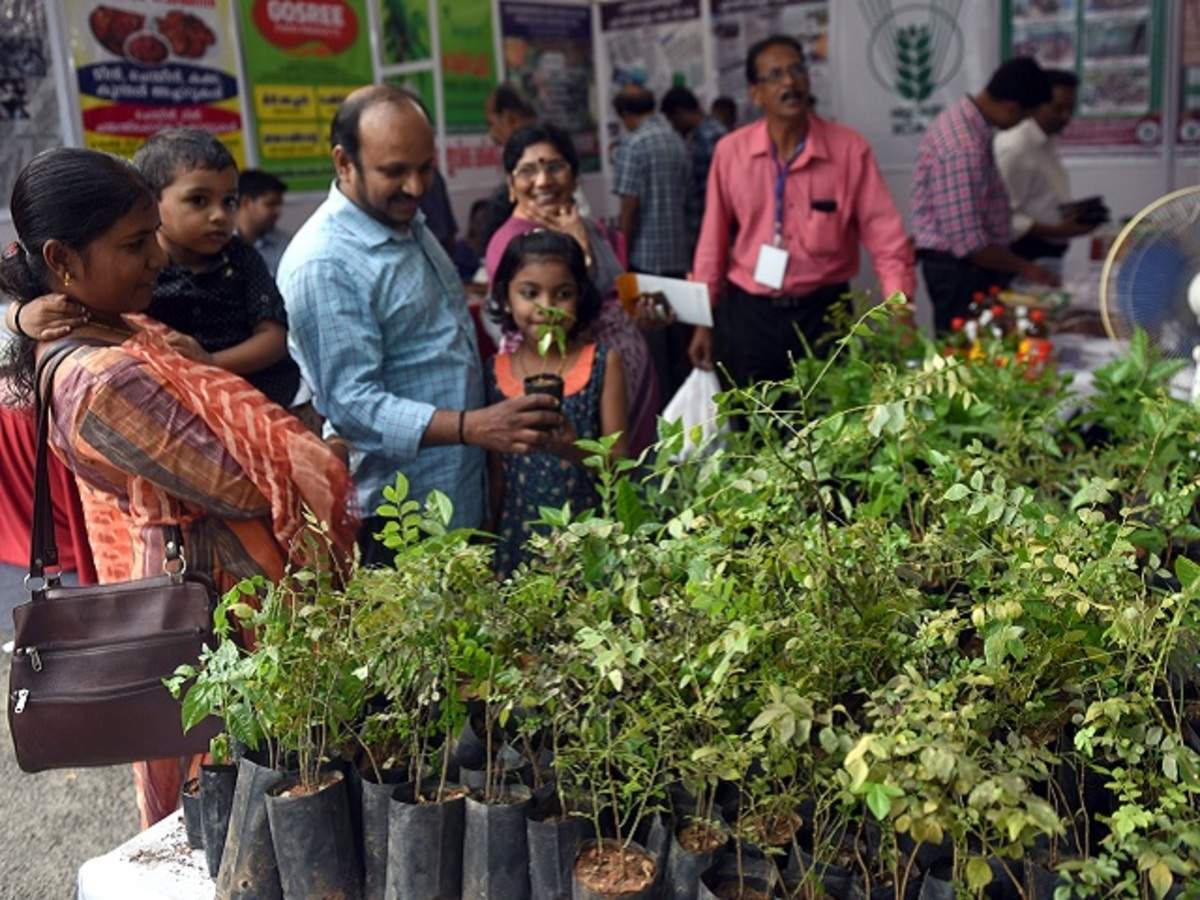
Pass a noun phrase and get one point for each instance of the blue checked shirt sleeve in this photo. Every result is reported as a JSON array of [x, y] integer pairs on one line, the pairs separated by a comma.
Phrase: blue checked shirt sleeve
[[339, 346], [957, 209], [629, 177]]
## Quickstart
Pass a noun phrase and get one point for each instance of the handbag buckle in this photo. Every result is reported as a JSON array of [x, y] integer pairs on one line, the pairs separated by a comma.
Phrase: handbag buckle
[[46, 580], [175, 564]]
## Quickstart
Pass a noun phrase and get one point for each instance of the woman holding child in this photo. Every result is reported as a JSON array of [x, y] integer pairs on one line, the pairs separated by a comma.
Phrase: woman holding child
[[154, 438]]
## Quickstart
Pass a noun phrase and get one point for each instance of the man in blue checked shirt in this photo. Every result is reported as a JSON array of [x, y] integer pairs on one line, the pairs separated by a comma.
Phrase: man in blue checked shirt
[[380, 328]]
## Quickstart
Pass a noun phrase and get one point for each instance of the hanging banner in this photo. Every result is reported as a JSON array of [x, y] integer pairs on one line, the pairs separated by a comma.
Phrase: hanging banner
[[302, 57], [1189, 61], [918, 59], [144, 65], [468, 63], [1116, 49], [405, 30], [548, 56], [738, 24], [29, 115], [655, 43]]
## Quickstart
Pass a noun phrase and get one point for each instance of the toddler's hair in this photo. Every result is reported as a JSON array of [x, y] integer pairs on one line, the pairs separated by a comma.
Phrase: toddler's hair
[[174, 151], [537, 246]]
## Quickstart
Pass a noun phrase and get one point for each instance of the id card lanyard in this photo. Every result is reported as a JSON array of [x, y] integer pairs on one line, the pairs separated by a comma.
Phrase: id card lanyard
[[781, 173]]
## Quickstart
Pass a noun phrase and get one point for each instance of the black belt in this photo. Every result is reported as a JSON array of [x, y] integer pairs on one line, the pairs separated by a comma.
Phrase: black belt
[[828, 293]]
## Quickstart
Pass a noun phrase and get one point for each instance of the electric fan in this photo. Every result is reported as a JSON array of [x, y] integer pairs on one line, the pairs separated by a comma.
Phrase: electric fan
[[1151, 278]]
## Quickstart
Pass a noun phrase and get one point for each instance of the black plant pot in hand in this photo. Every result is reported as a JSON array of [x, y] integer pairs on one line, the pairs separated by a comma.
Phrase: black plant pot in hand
[[248, 870], [495, 847], [217, 786], [189, 799], [314, 840], [545, 383], [376, 805], [425, 843]]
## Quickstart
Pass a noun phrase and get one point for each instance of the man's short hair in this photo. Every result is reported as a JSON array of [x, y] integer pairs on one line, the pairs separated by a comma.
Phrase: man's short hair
[[1062, 78], [728, 104], [760, 47], [1021, 81], [344, 130], [507, 99], [173, 151], [678, 99], [636, 102], [254, 183]]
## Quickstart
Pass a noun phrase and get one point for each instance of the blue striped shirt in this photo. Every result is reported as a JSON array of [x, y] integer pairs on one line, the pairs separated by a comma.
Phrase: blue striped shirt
[[378, 322]]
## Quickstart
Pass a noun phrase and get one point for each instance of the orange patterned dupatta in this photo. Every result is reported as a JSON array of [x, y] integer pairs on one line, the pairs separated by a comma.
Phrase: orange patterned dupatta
[[291, 467]]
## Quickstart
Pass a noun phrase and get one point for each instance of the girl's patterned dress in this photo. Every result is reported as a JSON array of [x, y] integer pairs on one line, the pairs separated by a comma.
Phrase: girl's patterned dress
[[544, 479]]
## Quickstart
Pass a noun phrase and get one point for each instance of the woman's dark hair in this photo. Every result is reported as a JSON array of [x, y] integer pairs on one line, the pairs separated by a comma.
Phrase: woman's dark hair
[[541, 133], [70, 195], [537, 246]]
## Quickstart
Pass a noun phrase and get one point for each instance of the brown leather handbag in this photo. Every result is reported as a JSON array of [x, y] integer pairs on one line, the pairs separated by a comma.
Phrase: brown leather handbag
[[86, 684]]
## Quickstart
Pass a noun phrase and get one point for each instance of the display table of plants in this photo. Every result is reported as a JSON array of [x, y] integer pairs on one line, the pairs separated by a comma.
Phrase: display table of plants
[[921, 626]]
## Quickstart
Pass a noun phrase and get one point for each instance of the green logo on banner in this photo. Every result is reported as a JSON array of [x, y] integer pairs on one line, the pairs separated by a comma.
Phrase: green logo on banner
[[915, 48]]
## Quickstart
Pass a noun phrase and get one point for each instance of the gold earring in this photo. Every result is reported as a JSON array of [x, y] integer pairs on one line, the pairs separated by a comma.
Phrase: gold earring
[[66, 279], [512, 196]]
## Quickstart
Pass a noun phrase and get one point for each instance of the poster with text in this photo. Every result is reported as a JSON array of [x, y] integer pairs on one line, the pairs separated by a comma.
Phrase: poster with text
[[29, 114], [548, 56], [1189, 61], [144, 65], [654, 43], [907, 63], [302, 57], [468, 63], [1115, 48], [738, 24]]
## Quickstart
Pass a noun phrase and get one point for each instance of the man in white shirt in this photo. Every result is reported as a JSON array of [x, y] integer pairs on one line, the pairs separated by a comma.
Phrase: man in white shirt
[[1037, 181]]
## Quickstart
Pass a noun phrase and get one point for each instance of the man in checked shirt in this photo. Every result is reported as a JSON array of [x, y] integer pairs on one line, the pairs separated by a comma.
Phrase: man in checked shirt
[[961, 218]]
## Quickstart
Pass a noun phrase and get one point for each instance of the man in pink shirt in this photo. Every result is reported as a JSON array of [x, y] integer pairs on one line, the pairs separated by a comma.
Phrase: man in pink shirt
[[790, 197]]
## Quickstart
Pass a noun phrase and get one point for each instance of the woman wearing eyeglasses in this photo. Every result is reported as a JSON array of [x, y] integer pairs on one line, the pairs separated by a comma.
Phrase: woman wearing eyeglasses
[[543, 170]]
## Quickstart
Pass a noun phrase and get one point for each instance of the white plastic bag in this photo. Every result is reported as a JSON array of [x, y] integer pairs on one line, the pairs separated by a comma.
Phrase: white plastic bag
[[693, 405]]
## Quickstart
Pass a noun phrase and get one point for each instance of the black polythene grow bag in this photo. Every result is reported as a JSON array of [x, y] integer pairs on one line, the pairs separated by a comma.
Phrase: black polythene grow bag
[[495, 846], [314, 840], [248, 870], [425, 843], [217, 786]]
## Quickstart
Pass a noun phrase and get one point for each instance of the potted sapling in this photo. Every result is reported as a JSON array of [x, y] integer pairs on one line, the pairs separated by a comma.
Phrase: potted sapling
[[551, 335]]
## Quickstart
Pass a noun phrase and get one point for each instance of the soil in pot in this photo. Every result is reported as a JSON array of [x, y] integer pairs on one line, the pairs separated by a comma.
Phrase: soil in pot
[[375, 805], [248, 870], [314, 839], [189, 799], [545, 383], [495, 846], [217, 784], [425, 841], [554, 841], [607, 869], [694, 848]]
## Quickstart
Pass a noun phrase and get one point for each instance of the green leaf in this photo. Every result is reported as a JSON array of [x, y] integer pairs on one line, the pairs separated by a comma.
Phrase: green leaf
[[879, 799], [979, 873], [1186, 571], [1160, 879], [956, 492]]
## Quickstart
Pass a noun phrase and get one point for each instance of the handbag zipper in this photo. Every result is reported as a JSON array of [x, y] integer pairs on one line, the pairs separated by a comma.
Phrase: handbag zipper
[[82, 648], [23, 696]]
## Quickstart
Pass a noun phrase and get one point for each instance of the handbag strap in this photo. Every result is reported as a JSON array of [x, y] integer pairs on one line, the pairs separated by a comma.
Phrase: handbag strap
[[43, 552]]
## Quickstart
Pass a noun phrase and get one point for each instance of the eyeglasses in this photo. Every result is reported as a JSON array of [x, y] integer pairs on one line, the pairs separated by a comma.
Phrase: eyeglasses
[[795, 72], [554, 168]]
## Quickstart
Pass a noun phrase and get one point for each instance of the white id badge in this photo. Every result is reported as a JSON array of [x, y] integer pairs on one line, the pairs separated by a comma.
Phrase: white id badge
[[771, 266]]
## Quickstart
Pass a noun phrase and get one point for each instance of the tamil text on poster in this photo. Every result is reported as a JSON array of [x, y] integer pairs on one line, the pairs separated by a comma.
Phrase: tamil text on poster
[[302, 57], [29, 115], [548, 57], [144, 65]]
